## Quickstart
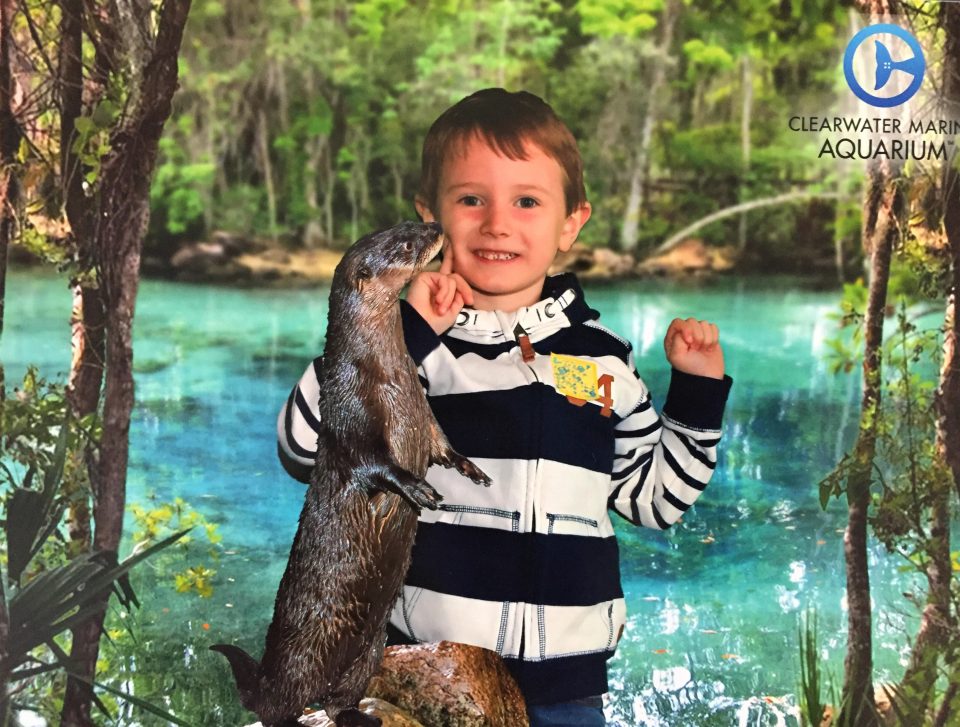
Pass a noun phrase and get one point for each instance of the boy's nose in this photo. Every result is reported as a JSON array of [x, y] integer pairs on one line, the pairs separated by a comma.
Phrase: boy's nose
[[495, 221]]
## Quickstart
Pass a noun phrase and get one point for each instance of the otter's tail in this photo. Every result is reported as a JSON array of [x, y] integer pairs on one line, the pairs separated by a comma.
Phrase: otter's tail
[[246, 672]]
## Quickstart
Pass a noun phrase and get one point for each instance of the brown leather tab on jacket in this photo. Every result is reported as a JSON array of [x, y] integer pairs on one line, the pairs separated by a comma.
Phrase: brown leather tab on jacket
[[526, 348]]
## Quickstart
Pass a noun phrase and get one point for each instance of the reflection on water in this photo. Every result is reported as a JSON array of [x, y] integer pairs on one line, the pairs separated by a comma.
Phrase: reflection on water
[[713, 603]]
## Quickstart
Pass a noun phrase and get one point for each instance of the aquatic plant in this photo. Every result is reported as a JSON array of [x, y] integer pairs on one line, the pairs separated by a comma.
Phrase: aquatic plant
[[810, 701], [47, 591]]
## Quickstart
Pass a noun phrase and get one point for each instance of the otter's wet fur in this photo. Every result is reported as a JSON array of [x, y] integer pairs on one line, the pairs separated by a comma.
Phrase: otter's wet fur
[[352, 548]]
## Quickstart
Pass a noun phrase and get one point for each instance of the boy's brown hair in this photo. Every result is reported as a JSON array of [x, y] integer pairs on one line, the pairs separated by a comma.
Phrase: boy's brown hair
[[505, 121]]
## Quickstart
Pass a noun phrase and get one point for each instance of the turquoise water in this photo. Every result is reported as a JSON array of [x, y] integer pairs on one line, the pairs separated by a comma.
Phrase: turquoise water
[[714, 602]]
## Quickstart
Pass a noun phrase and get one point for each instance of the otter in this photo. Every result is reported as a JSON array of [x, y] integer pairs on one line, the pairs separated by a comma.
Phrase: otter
[[352, 549]]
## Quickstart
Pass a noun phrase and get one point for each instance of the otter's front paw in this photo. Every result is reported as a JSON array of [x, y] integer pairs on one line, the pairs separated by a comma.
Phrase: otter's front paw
[[468, 469], [422, 495], [417, 492]]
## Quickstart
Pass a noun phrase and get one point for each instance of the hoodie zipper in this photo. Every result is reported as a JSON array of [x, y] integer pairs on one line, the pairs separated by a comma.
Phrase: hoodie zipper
[[528, 355]]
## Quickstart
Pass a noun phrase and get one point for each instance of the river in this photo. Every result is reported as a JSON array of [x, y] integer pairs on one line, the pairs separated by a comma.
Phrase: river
[[714, 603]]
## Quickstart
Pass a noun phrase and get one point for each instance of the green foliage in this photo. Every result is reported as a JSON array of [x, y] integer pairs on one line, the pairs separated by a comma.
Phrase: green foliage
[[242, 209], [344, 94], [45, 603], [164, 657], [811, 687], [914, 473], [629, 18], [920, 273], [814, 683], [907, 466], [43, 247], [706, 57], [179, 193], [50, 590], [909, 478], [92, 141], [844, 349], [156, 521], [31, 422], [709, 150]]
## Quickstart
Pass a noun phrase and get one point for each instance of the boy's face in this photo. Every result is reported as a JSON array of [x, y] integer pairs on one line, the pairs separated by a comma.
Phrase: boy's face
[[505, 219]]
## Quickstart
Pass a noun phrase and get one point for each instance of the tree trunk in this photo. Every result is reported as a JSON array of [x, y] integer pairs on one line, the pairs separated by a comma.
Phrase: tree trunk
[[922, 671], [882, 208], [742, 208], [397, 174], [746, 113], [263, 149], [334, 142], [937, 621], [641, 162], [9, 140], [86, 370], [950, 705], [948, 395], [313, 153], [121, 223]]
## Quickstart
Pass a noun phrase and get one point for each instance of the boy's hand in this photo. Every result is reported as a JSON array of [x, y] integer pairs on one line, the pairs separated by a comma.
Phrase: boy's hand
[[693, 347], [439, 297]]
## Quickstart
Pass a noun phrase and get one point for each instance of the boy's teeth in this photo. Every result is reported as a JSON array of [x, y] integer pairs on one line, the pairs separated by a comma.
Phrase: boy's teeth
[[496, 255]]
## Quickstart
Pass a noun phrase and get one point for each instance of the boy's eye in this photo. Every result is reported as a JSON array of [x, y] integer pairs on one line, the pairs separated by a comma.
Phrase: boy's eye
[[527, 202], [469, 200]]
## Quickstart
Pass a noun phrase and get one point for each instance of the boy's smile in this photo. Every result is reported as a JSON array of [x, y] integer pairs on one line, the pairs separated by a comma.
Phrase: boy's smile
[[505, 220]]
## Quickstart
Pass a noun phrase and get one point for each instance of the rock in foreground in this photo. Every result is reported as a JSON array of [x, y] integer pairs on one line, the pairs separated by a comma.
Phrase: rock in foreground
[[450, 685], [390, 715], [439, 685]]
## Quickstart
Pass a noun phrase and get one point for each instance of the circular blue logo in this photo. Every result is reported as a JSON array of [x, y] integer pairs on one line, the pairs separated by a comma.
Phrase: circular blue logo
[[886, 65]]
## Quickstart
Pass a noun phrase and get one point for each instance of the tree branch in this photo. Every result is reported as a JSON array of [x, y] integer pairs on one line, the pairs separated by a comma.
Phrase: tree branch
[[754, 204]]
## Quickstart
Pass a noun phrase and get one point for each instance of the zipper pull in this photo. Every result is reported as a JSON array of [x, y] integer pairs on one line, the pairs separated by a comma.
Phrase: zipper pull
[[526, 348]]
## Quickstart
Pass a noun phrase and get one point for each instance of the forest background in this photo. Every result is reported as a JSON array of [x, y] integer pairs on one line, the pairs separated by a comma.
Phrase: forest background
[[303, 121], [300, 123]]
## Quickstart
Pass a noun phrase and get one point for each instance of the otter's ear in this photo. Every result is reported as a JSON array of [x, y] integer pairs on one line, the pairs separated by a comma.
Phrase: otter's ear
[[362, 276]]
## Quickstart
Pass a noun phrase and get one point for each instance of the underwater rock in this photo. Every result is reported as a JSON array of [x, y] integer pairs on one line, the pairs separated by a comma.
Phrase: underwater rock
[[446, 684]]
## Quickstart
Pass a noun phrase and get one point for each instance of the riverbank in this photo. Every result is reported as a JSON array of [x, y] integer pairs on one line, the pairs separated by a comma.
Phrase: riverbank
[[228, 259], [231, 260]]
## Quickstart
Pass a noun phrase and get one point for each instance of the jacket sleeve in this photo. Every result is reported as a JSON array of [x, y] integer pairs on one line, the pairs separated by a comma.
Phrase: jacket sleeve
[[299, 424], [662, 464]]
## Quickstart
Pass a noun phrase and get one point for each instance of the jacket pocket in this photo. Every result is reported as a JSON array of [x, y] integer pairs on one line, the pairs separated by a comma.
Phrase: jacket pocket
[[477, 516], [562, 524]]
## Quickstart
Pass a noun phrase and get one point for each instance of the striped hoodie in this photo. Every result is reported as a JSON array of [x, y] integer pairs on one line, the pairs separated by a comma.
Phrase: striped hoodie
[[548, 403]]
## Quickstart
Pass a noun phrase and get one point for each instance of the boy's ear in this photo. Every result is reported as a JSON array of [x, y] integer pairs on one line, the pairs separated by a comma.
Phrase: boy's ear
[[571, 226], [423, 210]]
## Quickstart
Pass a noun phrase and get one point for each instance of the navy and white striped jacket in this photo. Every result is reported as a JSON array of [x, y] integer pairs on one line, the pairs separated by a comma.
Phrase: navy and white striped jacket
[[528, 567]]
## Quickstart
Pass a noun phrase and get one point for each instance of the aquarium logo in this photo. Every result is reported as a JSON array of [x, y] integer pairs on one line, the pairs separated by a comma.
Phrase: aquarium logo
[[914, 66]]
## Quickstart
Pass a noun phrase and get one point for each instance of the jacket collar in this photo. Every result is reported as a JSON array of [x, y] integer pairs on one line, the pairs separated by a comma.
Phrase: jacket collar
[[561, 305]]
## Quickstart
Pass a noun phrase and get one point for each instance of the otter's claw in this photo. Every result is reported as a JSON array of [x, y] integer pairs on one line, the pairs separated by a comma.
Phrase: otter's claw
[[468, 469], [464, 466], [416, 491], [421, 495]]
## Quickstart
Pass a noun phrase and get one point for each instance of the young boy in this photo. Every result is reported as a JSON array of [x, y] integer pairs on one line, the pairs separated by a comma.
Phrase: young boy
[[526, 383]]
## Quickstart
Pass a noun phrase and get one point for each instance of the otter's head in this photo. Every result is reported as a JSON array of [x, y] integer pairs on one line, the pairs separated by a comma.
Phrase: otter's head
[[377, 267]]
